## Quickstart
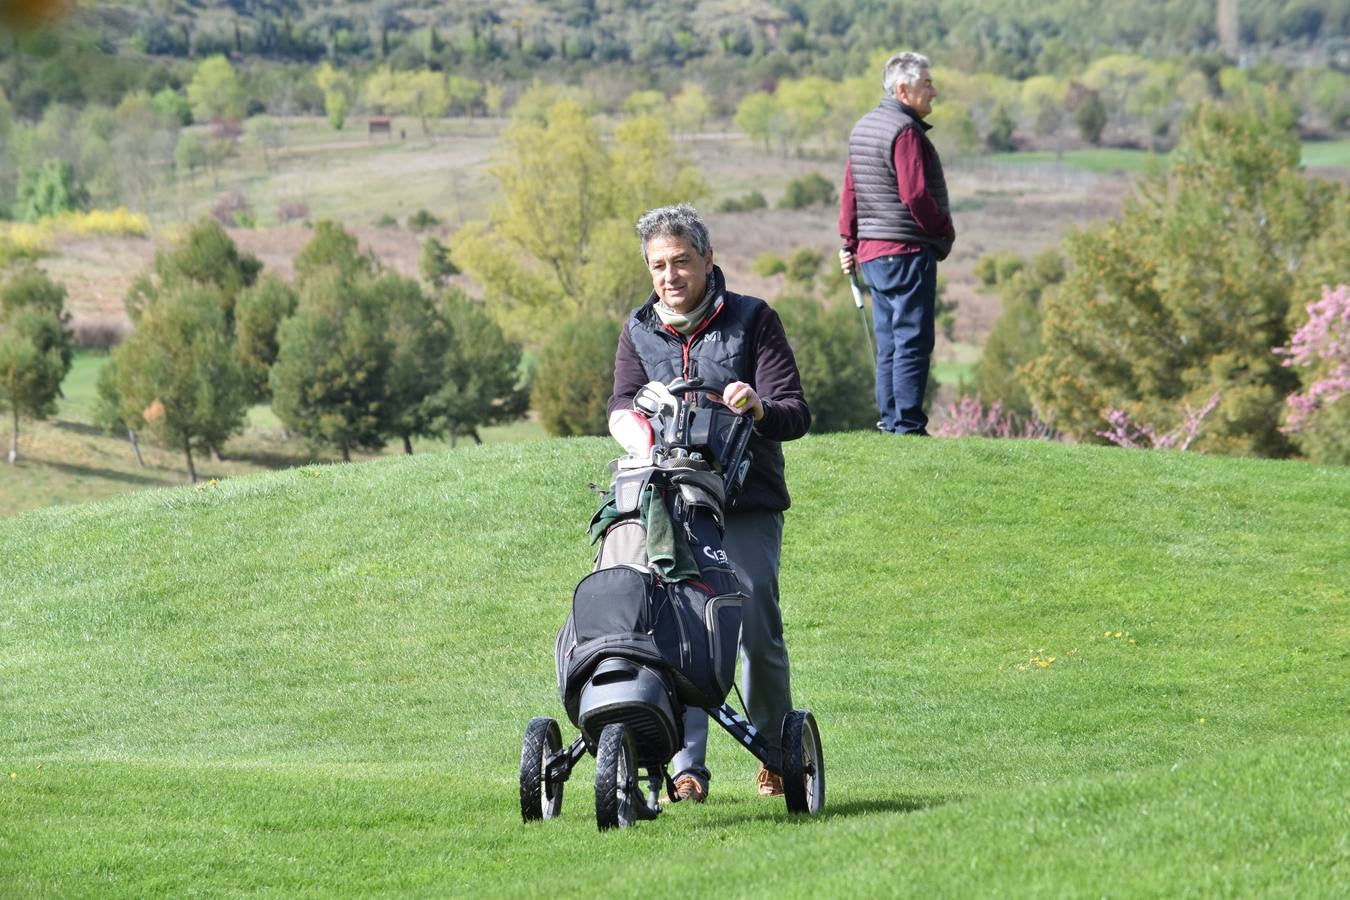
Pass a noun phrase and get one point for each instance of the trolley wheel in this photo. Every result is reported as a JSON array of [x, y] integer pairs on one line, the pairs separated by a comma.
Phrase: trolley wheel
[[803, 763], [538, 798], [616, 779]]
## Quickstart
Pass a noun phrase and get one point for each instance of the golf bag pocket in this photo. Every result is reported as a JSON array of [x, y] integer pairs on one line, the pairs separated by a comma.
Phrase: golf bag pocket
[[697, 632], [624, 544], [611, 616]]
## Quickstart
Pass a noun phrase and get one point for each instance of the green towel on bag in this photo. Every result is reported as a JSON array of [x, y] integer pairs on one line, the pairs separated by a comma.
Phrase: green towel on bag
[[604, 516], [667, 552]]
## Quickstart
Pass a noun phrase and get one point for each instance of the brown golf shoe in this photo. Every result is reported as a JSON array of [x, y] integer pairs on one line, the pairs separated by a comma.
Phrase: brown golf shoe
[[770, 785], [687, 787]]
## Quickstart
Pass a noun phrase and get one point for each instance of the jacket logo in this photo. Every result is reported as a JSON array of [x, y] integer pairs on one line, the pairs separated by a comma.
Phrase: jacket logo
[[718, 556]]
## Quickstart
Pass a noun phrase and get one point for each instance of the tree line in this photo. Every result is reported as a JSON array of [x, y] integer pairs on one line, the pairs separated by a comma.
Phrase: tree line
[[95, 156], [757, 37], [1197, 298], [350, 355]]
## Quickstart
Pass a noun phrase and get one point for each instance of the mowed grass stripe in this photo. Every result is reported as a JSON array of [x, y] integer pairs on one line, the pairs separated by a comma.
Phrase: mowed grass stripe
[[1021, 655]]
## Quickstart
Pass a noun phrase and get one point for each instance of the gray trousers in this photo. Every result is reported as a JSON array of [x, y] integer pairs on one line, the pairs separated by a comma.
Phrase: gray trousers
[[753, 542]]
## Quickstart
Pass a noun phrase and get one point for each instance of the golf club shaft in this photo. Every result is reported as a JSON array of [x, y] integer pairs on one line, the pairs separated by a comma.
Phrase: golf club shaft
[[856, 285]]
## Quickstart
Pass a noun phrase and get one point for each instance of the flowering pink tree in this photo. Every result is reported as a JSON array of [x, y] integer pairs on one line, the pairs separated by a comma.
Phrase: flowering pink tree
[[968, 417], [1125, 432], [1322, 349]]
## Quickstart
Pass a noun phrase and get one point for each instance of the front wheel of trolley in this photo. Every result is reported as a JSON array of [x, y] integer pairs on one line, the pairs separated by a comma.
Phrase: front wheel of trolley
[[539, 798], [803, 763], [616, 778]]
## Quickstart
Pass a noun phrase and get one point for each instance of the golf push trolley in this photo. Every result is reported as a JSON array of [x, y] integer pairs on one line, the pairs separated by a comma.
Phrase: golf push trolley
[[654, 627]]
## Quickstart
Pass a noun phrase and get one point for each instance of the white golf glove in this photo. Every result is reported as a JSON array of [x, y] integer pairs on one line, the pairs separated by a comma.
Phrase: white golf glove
[[653, 399]]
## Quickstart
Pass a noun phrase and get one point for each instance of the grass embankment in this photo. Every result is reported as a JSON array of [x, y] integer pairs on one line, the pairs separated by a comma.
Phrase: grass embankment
[[1037, 668], [70, 460]]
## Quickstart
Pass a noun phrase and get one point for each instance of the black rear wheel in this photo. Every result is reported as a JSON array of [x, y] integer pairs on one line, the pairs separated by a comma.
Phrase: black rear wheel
[[538, 798], [616, 779], [803, 763]]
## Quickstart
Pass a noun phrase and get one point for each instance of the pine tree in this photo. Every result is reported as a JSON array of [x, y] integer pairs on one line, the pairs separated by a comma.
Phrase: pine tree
[[330, 379], [178, 375], [35, 348], [480, 377]]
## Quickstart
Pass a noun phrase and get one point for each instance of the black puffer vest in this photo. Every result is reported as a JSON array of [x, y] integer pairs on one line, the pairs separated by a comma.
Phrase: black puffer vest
[[882, 215], [722, 351]]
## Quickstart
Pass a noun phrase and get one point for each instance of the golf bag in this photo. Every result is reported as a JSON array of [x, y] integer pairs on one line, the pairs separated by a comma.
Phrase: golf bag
[[655, 626]]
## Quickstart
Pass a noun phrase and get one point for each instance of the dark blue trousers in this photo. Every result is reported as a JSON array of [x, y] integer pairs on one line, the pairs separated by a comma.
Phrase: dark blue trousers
[[904, 297]]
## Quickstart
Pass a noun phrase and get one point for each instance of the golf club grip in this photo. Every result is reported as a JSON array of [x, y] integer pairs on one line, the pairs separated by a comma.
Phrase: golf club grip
[[854, 284], [857, 290]]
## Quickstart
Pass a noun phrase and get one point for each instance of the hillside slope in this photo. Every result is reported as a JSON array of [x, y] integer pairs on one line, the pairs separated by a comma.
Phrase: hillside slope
[[1037, 668]]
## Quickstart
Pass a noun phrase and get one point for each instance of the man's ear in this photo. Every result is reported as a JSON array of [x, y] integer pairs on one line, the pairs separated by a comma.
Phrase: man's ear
[[709, 260]]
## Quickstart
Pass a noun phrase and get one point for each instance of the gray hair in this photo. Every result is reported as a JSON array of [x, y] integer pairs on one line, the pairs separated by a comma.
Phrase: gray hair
[[680, 221], [903, 68]]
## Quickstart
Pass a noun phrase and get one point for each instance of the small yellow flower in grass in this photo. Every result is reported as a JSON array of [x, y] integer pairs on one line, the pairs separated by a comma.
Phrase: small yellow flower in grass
[[13, 775], [1118, 634], [1202, 720]]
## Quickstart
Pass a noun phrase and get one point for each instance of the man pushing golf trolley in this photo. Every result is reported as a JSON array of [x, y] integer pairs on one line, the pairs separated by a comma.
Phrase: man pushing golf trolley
[[654, 627]]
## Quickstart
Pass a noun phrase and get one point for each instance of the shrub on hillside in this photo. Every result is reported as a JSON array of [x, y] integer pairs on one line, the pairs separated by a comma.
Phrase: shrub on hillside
[[993, 268], [834, 360], [232, 210], [52, 188], [968, 417], [744, 203], [434, 264], [422, 220], [809, 190], [802, 265], [768, 264], [292, 211], [576, 376]]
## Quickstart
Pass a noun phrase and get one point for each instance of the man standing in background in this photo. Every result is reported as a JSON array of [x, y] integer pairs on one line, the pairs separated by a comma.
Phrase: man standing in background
[[896, 225]]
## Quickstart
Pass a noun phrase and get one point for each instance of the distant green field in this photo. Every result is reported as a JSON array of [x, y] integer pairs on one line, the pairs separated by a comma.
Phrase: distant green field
[[1098, 160], [1331, 154], [80, 389], [1039, 670], [1328, 154]]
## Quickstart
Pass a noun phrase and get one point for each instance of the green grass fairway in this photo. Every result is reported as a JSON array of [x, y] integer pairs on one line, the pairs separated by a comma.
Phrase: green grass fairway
[[1039, 670], [1100, 160], [1328, 154]]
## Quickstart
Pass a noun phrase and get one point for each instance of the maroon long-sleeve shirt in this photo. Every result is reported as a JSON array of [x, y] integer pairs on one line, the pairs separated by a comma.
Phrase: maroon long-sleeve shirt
[[908, 152]]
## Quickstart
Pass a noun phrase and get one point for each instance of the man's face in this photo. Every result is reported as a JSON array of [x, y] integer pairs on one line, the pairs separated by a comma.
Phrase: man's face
[[679, 273], [920, 96]]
